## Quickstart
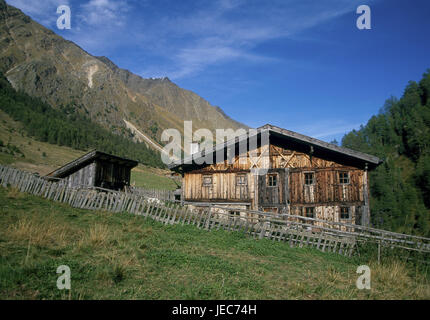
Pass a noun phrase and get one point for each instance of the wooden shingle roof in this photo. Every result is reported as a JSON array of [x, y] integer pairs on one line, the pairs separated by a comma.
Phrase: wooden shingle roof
[[88, 158], [320, 148]]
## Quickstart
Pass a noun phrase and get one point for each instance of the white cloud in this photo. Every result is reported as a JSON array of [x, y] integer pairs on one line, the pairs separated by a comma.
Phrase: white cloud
[[43, 11], [229, 30], [329, 128], [188, 38], [104, 12]]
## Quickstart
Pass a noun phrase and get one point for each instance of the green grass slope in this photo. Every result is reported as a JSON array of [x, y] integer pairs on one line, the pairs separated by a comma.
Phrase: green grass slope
[[121, 256]]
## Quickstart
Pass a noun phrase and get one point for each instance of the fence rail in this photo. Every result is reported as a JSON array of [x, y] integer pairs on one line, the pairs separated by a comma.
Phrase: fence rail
[[295, 230], [360, 233], [166, 195]]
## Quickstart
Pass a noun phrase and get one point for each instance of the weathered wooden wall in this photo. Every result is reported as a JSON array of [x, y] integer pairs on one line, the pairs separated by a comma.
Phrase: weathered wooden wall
[[223, 187], [327, 195], [112, 175], [102, 174], [327, 188], [83, 177]]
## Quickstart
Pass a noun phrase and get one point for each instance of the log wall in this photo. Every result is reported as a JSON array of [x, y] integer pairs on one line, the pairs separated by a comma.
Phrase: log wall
[[327, 194]]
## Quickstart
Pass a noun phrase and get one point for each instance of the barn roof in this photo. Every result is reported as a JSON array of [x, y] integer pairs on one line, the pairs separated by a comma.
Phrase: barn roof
[[295, 140], [87, 158]]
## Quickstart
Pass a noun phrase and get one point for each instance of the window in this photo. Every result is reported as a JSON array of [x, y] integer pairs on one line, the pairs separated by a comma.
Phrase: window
[[207, 181], [343, 177], [309, 212], [272, 180], [234, 215], [309, 178], [241, 180], [344, 212]]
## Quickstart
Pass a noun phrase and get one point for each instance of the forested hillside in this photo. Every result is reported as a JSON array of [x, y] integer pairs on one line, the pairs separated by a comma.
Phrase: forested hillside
[[400, 134], [66, 128]]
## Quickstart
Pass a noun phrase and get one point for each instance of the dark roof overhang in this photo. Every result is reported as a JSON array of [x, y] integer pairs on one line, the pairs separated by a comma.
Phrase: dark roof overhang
[[89, 158], [291, 139]]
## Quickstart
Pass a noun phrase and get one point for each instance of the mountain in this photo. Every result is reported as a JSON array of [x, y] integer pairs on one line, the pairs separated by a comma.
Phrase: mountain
[[400, 134], [183, 103], [38, 120], [42, 64]]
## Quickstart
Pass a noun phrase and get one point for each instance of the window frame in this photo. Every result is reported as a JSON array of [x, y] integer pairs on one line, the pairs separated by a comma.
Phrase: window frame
[[271, 209], [234, 214], [348, 211], [306, 212], [268, 176], [244, 176], [340, 179], [204, 184], [313, 178]]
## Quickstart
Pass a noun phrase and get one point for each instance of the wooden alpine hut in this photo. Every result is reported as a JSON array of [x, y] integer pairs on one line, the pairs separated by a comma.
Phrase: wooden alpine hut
[[303, 176], [96, 169]]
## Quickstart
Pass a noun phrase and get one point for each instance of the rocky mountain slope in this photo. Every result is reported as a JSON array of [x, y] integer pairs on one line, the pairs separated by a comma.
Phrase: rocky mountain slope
[[43, 64]]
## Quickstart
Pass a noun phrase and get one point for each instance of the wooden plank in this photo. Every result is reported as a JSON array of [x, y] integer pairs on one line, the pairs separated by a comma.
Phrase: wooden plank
[[173, 220], [163, 213], [76, 198], [147, 210], [263, 231], [190, 216], [140, 209], [287, 234], [118, 202], [195, 216], [241, 225], [200, 218], [292, 235], [169, 213], [140, 206], [160, 211], [351, 248], [232, 225], [341, 243], [319, 241], [83, 199], [302, 237], [132, 207], [324, 243], [335, 246], [180, 214], [184, 219], [150, 209], [273, 233], [102, 199], [208, 218], [156, 210], [308, 239]]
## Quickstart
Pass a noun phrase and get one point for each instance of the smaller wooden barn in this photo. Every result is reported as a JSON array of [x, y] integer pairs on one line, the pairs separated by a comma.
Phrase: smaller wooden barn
[[96, 169]]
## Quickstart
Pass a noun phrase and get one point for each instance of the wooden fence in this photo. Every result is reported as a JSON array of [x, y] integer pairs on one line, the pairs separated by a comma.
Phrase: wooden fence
[[166, 195], [294, 230]]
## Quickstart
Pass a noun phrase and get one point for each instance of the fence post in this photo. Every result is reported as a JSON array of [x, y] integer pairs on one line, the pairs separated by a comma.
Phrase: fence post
[[208, 219], [379, 252]]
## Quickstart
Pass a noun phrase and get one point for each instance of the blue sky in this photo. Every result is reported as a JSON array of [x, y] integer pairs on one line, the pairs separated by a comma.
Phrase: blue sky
[[302, 65]]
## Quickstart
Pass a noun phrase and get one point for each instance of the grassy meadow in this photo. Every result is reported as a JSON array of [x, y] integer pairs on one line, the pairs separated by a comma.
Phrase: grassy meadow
[[121, 256]]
